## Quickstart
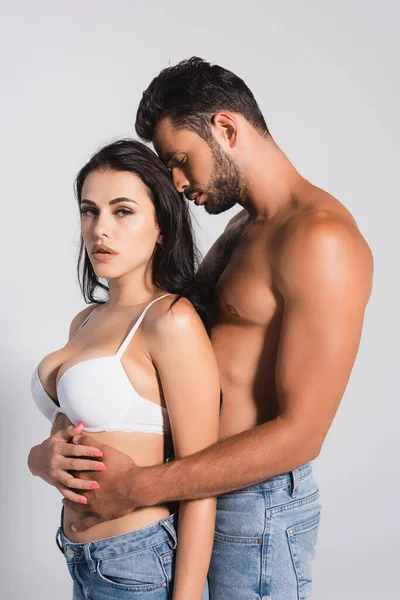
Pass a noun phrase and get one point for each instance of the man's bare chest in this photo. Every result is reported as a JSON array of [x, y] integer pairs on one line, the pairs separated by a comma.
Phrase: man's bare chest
[[241, 267]]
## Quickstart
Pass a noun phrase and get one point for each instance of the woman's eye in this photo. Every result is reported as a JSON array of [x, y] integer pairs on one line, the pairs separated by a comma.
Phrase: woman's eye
[[89, 212], [123, 212], [85, 212]]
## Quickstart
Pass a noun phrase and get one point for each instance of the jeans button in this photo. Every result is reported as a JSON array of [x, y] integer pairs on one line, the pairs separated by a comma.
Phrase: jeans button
[[70, 553]]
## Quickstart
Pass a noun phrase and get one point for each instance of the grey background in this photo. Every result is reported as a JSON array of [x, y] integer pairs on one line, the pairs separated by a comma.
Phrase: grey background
[[326, 75]]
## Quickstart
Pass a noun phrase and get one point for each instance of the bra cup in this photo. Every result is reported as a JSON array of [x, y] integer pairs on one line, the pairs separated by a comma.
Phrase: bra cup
[[43, 401], [93, 392], [99, 393]]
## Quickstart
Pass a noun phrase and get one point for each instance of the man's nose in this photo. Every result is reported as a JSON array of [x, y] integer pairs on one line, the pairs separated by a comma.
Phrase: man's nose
[[180, 181]]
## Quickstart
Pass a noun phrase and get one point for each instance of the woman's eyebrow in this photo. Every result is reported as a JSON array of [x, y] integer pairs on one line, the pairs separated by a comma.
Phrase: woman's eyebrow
[[122, 199], [114, 201]]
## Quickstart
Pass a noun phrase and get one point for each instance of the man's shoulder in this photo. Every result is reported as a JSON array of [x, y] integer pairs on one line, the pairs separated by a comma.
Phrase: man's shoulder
[[227, 239], [240, 216], [315, 225], [320, 240]]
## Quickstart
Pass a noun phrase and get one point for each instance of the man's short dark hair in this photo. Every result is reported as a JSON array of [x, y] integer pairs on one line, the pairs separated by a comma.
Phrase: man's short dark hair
[[190, 93]]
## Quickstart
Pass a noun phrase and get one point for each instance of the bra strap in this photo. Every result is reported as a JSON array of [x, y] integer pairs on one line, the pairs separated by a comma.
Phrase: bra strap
[[84, 321], [132, 332]]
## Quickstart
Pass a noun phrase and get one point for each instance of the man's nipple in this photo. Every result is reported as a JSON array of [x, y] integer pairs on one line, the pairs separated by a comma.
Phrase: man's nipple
[[233, 310]]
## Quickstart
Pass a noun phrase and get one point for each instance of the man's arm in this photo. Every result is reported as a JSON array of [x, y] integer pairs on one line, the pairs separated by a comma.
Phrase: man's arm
[[324, 275]]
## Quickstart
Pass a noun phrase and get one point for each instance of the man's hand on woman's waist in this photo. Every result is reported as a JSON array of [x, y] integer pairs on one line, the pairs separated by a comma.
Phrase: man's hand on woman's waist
[[56, 457], [123, 486]]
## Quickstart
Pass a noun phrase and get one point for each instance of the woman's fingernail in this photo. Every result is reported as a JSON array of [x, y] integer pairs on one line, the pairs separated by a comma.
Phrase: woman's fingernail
[[94, 485], [76, 438], [79, 424], [97, 453], [101, 467], [73, 528], [83, 500]]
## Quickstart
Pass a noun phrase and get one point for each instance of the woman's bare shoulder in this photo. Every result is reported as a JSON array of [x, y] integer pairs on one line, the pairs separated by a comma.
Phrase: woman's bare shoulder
[[79, 319], [171, 313]]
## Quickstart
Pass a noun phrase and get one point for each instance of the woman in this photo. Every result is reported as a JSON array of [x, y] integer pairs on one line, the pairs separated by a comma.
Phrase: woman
[[139, 373]]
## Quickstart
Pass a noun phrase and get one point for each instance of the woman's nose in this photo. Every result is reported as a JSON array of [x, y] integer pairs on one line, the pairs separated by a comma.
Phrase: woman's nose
[[102, 226]]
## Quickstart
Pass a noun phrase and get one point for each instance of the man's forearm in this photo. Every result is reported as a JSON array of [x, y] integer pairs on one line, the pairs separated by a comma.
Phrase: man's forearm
[[240, 461]]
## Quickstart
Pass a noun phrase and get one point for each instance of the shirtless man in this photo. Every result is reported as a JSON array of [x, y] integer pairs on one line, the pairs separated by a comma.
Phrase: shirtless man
[[291, 276]]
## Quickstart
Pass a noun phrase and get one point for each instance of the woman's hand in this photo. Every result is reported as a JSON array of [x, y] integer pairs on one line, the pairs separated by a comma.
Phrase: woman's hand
[[55, 457]]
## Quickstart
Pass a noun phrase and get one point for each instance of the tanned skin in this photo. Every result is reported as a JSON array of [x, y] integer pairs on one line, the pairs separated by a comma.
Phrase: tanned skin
[[292, 276]]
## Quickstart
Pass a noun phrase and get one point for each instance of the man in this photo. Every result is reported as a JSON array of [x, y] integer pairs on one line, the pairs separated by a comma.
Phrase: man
[[291, 276]]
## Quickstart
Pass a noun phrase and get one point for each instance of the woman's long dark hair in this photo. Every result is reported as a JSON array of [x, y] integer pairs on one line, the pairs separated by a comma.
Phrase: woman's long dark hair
[[175, 260]]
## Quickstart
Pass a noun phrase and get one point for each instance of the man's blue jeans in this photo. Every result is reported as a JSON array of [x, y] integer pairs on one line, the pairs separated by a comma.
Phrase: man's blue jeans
[[265, 539]]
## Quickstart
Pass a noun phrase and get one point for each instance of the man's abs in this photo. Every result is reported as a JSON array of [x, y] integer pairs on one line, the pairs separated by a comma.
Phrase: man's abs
[[246, 356], [246, 332]]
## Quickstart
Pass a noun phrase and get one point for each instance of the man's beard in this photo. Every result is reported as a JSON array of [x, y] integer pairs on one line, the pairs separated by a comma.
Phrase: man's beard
[[225, 188]]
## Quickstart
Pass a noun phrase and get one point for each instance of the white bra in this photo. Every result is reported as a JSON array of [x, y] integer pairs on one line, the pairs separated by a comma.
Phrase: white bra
[[98, 392]]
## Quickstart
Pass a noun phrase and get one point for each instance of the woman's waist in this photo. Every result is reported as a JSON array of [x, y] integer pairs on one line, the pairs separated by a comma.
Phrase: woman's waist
[[136, 520], [145, 449]]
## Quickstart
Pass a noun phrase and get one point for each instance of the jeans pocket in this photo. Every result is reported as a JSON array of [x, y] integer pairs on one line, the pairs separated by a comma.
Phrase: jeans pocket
[[138, 571], [302, 540], [167, 557]]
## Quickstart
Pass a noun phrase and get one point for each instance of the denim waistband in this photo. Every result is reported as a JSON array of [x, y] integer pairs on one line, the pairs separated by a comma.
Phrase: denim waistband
[[164, 530], [291, 478]]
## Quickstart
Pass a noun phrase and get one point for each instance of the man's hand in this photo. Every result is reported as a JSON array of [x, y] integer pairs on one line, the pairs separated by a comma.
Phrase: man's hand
[[115, 497], [53, 459]]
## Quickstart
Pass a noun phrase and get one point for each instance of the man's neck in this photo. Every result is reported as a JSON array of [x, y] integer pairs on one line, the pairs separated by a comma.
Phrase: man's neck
[[271, 181]]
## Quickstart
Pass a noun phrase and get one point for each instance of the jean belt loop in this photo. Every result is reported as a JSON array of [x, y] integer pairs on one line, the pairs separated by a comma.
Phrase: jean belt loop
[[295, 482], [58, 540], [173, 540], [59, 530], [90, 562]]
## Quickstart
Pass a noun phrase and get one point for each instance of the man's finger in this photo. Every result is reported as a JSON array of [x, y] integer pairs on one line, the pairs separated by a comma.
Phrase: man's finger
[[78, 508], [85, 523], [86, 440]]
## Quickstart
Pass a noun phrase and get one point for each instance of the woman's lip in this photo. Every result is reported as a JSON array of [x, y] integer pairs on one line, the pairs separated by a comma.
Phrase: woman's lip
[[102, 256]]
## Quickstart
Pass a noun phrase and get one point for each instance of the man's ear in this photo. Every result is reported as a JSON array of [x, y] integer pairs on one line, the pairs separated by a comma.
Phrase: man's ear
[[225, 128]]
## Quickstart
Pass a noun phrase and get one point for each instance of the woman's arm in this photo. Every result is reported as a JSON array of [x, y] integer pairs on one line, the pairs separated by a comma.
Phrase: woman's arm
[[185, 361], [56, 456]]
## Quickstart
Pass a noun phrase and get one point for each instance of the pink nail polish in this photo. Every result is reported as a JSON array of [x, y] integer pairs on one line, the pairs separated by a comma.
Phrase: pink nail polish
[[97, 453], [83, 500], [94, 485], [101, 467], [73, 528], [79, 424]]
